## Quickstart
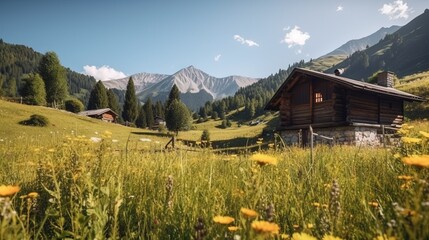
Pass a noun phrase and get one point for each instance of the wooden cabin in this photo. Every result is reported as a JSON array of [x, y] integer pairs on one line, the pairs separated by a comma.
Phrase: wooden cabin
[[347, 110], [104, 114]]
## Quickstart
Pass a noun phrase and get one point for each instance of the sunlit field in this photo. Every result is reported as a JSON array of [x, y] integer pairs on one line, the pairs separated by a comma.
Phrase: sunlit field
[[95, 188]]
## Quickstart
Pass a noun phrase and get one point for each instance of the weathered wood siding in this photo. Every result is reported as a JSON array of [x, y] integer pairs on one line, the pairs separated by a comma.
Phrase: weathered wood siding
[[339, 104], [391, 111], [361, 107], [298, 106], [300, 103]]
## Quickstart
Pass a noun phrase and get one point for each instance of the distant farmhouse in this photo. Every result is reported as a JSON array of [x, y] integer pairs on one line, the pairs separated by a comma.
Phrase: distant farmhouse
[[105, 114], [347, 110]]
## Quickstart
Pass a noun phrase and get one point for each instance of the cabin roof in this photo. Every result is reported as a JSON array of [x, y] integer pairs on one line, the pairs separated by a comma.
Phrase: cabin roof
[[346, 82], [97, 112]]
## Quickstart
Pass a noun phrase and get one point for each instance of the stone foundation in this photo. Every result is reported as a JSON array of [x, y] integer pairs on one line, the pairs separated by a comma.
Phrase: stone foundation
[[348, 135]]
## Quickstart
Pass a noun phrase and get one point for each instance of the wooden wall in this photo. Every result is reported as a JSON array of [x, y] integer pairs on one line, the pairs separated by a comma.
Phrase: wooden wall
[[361, 107], [298, 106]]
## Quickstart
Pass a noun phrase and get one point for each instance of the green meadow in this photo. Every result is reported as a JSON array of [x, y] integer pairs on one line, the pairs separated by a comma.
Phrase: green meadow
[[80, 178]]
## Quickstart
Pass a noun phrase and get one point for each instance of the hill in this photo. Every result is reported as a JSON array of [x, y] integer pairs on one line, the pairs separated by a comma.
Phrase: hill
[[344, 51], [404, 52], [360, 44], [18, 60]]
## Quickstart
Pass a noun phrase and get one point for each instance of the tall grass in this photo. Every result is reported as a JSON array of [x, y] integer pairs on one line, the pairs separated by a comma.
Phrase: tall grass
[[99, 190]]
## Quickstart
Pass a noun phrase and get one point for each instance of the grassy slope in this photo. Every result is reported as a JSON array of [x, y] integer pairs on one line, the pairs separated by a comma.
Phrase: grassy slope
[[63, 123], [416, 84], [323, 63]]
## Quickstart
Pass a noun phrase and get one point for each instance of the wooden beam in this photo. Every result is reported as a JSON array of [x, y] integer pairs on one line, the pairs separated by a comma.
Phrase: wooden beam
[[311, 101]]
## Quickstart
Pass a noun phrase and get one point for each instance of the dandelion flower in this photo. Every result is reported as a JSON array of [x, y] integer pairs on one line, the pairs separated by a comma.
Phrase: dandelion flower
[[421, 161], [264, 227], [223, 220], [302, 236], [233, 228], [424, 134], [263, 159], [410, 140], [249, 213], [8, 190]]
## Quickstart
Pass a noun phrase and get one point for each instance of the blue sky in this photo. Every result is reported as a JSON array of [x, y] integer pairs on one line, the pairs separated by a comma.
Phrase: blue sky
[[255, 38]]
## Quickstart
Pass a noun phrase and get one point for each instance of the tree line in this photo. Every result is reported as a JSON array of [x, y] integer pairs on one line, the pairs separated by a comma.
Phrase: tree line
[[18, 62]]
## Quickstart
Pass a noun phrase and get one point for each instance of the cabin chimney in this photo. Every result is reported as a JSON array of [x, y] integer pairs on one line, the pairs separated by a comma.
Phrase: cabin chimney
[[385, 79], [339, 71]]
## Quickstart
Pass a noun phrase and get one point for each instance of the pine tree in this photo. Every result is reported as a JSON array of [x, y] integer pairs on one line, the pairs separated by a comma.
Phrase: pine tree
[[178, 117], [113, 101], [148, 109], [34, 90], [54, 76], [130, 110], [98, 98], [159, 110], [174, 95], [141, 118]]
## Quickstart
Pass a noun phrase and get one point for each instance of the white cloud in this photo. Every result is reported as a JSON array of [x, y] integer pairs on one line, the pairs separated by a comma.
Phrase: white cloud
[[103, 73], [395, 10], [249, 42], [340, 8], [217, 57], [296, 37]]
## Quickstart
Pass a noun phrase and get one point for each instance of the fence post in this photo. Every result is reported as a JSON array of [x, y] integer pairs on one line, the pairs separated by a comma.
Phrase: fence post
[[311, 145], [384, 136]]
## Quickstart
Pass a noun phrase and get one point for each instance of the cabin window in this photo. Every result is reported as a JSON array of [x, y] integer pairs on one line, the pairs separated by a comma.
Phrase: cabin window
[[318, 97]]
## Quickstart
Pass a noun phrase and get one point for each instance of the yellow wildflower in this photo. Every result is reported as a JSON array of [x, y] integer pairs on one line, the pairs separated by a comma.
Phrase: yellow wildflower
[[223, 219], [410, 140], [284, 236], [421, 161], [264, 227], [8, 190], [302, 236], [310, 225], [330, 237], [233, 228], [263, 159], [249, 213], [373, 204], [33, 195], [408, 212], [424, 134], [403, 131], [405, 177], [271, 145], [316, 204]]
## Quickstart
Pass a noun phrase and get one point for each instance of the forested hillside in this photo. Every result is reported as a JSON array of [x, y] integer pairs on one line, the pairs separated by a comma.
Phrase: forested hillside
[[404, 52], [18, 60], [253, 98]]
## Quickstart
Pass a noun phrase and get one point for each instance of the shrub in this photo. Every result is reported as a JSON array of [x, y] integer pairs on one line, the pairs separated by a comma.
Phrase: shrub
[[74, 105], [36, 120]]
